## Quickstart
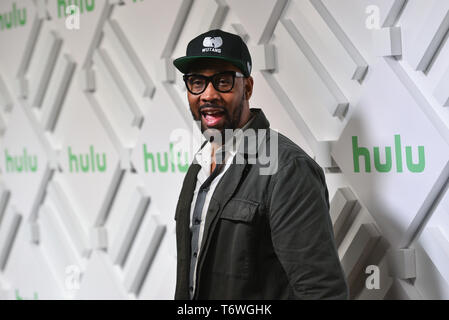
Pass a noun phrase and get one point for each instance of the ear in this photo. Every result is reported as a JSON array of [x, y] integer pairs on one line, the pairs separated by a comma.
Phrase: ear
[[248, 89]]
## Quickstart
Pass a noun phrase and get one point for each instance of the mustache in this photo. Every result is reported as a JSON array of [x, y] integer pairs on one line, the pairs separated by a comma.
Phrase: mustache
[[211, 105]]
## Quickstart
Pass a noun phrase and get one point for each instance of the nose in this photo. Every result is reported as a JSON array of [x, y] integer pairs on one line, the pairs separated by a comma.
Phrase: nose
[[210, 94]]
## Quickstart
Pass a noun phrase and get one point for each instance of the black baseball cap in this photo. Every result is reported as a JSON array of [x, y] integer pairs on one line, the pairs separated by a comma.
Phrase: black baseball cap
[[216, 44]]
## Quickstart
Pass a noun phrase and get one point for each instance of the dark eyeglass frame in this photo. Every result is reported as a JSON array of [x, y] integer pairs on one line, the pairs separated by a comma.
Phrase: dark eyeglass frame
[[235, 74]]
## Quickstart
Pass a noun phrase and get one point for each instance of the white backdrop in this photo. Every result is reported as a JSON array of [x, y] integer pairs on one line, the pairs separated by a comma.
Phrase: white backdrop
[[95, 136]]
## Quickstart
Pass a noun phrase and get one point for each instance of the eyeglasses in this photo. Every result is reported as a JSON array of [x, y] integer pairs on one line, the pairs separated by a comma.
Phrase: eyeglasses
[[222, 82]]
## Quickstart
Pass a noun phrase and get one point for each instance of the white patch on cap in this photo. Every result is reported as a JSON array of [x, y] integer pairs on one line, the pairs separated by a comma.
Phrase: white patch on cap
[[212, 44], [249, 67]]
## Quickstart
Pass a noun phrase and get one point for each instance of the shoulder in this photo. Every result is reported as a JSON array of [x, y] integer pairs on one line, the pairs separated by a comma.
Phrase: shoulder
[[297, 175]]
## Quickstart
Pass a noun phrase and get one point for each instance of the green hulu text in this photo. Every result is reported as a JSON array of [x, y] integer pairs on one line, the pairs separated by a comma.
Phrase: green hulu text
[[165, 160], [18, 297], [387, 166], [20, 163], [14, 18], [88, 162], [83, 5]]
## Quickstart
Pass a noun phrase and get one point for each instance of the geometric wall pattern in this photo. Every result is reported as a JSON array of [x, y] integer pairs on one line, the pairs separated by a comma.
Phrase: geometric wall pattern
[[95, 136]]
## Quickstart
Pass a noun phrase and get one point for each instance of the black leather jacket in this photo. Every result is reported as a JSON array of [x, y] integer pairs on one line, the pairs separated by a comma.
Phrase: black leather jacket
[[265, 236]]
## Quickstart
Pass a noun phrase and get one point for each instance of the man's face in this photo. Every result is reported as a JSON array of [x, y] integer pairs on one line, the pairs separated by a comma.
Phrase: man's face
[[218, 110]]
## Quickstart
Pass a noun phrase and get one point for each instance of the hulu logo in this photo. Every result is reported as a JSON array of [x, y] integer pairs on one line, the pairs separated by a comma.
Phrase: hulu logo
[[18, 297], [22, 163], [168, 161], [87, 162], [14, 18], [82, 5], [386, 167]]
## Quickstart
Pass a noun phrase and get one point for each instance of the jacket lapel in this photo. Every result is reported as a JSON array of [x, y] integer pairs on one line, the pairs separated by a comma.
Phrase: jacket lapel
[[224, 191], [182, 217]]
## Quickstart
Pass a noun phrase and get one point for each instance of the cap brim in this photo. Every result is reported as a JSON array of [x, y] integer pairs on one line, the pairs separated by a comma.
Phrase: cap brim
[[183, 64]]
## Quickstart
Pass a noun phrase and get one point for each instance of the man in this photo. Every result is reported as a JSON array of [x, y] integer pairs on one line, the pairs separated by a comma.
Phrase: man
[[242, 234]]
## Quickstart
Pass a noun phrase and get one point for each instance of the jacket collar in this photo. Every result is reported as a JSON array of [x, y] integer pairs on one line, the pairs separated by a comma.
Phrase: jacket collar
[[260, 121], [253, 142]]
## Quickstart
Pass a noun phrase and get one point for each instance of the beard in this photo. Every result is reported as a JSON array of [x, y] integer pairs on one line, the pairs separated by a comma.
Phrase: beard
[[231, 121]]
